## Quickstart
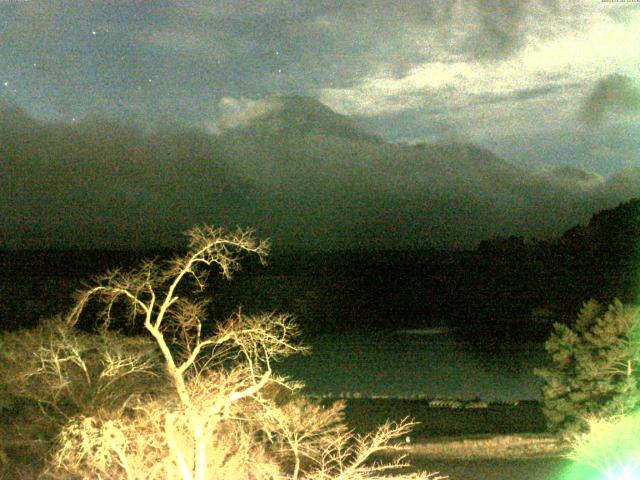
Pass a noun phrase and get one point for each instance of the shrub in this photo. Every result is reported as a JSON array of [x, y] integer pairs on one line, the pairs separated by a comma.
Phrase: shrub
[[52, 373], [68, 371], [219, 411], [593, 367]]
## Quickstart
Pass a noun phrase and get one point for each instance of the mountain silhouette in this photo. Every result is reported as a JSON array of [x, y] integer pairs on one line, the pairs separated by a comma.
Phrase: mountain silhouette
[[297, 116], [296, 171]]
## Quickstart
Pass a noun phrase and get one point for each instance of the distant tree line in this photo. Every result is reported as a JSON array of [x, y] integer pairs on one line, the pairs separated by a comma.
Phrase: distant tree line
[[504, 288]]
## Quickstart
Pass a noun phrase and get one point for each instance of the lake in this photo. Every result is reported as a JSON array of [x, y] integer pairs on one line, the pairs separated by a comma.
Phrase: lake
[[412, 363]]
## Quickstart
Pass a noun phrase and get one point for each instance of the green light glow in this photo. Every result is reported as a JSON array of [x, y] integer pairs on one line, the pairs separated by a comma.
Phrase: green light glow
[[629, 472], [579, 471], [610, 451]]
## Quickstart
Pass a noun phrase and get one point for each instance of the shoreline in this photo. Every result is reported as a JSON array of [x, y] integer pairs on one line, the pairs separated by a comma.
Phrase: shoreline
[[485, 447]]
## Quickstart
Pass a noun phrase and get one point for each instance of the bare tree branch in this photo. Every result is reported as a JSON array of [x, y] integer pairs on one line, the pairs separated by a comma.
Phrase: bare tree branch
[[225, 413]]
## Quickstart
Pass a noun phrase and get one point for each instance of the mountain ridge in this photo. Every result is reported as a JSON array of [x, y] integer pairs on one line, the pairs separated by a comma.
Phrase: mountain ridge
[[301, 116], [327, 186]]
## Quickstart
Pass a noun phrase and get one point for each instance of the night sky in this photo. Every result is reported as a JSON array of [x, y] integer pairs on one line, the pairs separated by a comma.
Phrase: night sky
[[125, 122]]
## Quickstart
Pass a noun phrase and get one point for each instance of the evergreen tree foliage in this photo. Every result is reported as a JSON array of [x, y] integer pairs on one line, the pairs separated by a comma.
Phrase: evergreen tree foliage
[[594, 367]]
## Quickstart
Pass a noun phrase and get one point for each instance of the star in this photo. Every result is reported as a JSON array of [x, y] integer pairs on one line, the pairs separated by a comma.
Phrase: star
[[6, 84], [93, 32]]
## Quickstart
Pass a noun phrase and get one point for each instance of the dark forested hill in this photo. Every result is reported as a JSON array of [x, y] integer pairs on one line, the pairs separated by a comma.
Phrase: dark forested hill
[[504, 289]]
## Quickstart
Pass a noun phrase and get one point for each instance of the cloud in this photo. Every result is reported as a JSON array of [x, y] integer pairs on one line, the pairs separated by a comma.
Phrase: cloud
[[488, 69], [181, 41], [240, 112], [571, 178], [370, 57], [612, 94], [500, 28], [377, 95], [553, 48], [623, 184], [223, 9], [342, 46], [524, 94], [439, 87]]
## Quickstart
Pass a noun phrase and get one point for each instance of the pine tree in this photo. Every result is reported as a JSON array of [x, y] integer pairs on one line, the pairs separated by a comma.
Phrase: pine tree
[[594, 367]]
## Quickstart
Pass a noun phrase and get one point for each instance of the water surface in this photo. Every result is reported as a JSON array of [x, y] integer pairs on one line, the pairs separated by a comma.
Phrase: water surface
[[414, 363]]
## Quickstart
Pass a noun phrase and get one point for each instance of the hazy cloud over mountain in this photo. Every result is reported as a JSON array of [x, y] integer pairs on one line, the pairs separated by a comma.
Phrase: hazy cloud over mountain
[[572, 178], [240, 112], [623, 184], [306, 102], [612, 94]]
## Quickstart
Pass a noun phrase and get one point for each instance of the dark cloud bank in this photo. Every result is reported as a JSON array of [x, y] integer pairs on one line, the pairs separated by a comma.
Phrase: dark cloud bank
[[297, 172]]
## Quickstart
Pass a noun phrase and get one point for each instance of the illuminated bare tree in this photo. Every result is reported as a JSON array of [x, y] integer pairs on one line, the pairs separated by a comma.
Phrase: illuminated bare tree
[[222, 416], [152, 293]]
